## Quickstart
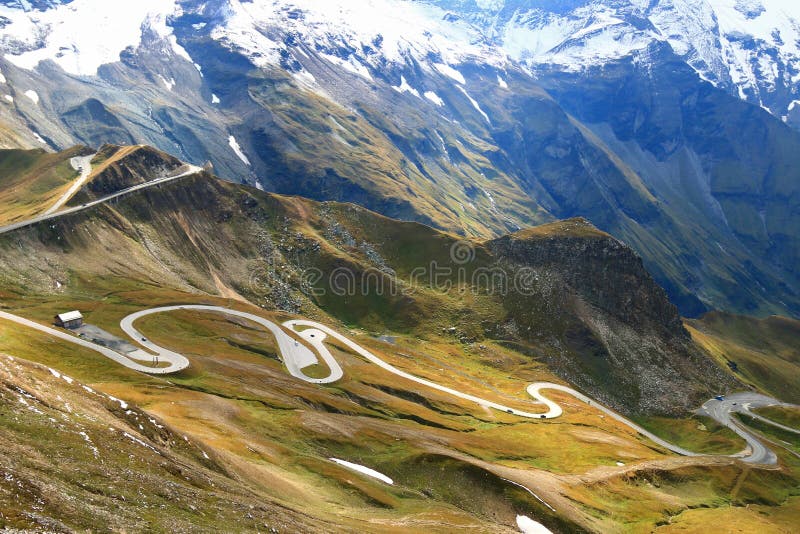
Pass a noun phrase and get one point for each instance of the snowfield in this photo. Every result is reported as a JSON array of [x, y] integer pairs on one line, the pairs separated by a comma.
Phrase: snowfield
[[751, 47], [363, 470], [234, 144], [84, 34]]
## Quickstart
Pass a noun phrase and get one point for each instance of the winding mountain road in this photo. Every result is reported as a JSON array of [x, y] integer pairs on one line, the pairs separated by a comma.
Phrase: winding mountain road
[[79, 163], [297, 356], [184, 171]]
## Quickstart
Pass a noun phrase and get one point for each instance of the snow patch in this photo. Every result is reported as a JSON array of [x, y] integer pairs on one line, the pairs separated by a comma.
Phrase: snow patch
[[529, 526], [234, 144], [377, 31], [532, 493], [214, 99], [450, 72], [501, 82], [404, 87], [69, 33], [122, 403], [140, 442], [33, 95], [475, 105], [351, 64], [91, 445], [2, 78], [169, 84], [9, 98], [433, 97], [364, 470]]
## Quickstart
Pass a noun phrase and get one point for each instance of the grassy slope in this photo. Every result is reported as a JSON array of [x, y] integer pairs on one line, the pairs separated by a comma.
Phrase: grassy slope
[[32, 180], [275, 433], [765, 352], [785, 416], [73, 458], [698, 434]]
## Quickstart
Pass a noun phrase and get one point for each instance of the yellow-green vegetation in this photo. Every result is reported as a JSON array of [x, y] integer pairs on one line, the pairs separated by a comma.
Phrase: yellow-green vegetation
[[785, 415], [763, 352], [201, 241], [653, 499], [778, 436], [360, 155], [697, 434], [448, 457], [569, 228], [79, 458], [32, 180]]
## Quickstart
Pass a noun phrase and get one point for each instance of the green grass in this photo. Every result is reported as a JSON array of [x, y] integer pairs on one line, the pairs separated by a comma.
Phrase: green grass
[[763, 352], [783, 437], [786, 416], [32, 180], [697, 434]]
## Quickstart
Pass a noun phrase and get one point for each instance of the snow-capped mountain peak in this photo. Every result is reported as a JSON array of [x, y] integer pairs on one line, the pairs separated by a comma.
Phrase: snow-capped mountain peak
[[82, 35], [749, 47]]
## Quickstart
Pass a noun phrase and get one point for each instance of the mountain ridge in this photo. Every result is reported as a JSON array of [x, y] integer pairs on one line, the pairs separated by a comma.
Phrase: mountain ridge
[[468, 142], [181, 233]]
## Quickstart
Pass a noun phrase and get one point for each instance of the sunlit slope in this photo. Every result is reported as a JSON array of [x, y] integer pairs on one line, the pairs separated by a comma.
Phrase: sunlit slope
[[32, 180], [765, 353]]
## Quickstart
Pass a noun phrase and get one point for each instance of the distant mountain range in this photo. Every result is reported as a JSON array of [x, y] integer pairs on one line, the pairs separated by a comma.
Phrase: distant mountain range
[[669, 124]]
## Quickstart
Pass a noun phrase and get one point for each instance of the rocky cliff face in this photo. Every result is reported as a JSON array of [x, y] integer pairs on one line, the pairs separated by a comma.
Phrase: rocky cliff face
[[603, 272], [608, 327], [119, 167]]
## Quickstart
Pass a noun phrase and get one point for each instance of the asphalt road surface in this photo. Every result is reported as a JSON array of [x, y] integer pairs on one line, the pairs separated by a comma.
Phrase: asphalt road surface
[[297, 356], [722, 410], [82, 164], [186, 170]]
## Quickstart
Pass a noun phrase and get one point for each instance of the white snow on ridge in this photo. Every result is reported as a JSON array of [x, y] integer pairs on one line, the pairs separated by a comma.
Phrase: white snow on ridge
[[404, 87], [391, 30], [84, 34], [169, 84], [33, 95], [748, 46], [234, 144], [350, 64], [214, 99], [364, 470]]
